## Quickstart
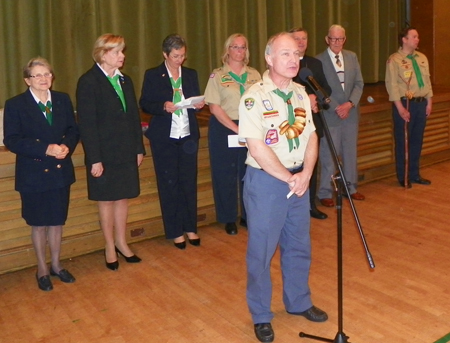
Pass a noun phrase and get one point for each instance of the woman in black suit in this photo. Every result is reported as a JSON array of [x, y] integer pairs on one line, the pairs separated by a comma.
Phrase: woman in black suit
[[39, 127], [111, 134], [174, 135]]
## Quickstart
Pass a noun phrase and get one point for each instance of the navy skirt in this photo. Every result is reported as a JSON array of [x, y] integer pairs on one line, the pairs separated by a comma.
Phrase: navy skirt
[[46, 208]]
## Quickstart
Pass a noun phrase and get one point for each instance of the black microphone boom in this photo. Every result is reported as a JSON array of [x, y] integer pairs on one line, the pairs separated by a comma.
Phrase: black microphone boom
[[323, 98]]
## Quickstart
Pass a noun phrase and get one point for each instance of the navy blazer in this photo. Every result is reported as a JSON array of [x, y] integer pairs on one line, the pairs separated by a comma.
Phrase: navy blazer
[[108, 133], [28, 135], [156, 90]]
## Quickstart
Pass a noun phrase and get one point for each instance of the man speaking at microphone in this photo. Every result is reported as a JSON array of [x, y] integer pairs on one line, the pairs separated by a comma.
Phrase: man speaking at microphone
[[301, 37], [343, 74]]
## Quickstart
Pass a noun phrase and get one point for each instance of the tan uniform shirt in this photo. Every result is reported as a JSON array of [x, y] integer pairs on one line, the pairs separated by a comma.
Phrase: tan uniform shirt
[[261, 112], [399, 68], [224, 91]]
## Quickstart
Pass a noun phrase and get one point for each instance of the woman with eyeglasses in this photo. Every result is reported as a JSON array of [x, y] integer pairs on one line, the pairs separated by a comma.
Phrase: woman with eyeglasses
[[223, 92], [39, 127], [111, 135], [174, 135]]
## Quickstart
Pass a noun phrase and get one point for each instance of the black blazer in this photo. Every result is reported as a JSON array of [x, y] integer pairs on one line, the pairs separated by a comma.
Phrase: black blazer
[[156, 90], [109, 135], [317, 70], [27, 134]]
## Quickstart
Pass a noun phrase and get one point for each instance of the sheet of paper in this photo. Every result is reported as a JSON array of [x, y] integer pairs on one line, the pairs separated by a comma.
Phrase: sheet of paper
[[190, 102], [234, 142]]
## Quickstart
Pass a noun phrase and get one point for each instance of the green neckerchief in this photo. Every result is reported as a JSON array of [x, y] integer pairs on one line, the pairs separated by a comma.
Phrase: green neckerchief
[[241, 80], [118, 89], [47, 109], [416, 70], [291, 117], [176, 85]]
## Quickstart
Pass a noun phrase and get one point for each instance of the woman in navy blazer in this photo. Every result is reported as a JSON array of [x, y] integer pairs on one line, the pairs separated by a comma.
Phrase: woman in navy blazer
[[40, 128], [174, 135], [111, 134]]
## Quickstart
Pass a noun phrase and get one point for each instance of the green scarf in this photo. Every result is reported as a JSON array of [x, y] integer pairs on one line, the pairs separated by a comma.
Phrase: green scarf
[[291, 117], [241, 80], [47, 109], [416, 70], [176, 85], [118, 89]]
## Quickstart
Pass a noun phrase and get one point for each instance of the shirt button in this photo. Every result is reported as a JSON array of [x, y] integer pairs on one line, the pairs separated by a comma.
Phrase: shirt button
[[46, 170], [58, 166]]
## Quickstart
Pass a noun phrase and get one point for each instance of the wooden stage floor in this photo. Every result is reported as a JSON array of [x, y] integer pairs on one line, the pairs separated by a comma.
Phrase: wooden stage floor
[[198, 295]]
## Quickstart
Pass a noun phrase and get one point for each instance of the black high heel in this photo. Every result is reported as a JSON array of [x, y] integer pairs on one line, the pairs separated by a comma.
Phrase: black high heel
[[194, 242], [130, 259], [181, 245], [111, 265]]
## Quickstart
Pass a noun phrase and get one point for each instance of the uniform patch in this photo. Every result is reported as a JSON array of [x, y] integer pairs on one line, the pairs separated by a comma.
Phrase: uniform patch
[[271, 137], [212, 75], [267, 105], [299, 96], [407, 74], [226, 79], [249, 102], [271, 114]]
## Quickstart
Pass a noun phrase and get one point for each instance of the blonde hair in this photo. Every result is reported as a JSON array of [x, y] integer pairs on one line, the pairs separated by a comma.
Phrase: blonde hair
[[35, 61], [105, 43], [227, 44]]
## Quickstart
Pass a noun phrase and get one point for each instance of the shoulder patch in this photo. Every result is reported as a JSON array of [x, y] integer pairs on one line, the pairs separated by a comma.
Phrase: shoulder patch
[[211, 76], [249, 102]]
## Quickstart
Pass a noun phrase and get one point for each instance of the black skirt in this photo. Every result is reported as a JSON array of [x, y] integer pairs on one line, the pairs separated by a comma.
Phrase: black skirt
[[118, 181], [46, 208]]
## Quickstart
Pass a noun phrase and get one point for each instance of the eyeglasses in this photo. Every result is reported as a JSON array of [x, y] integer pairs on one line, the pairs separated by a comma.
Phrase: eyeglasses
[[41, 76], [235, 47], [177, 57], [334, 40]]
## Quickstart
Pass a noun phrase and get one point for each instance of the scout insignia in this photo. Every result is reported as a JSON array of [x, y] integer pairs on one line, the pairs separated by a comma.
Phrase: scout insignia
[[407, 74], [271, 137], [267, 105], [300, 97], [249, 102], [211, 76], [271, 114], [226, 79]]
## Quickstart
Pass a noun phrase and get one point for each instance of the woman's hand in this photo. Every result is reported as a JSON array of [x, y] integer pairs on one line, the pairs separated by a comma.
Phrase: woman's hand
[[199, 105], [63, 153], [97, 169], [170, 107]]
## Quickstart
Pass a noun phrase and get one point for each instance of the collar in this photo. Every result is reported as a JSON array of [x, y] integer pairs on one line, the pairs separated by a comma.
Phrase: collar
[[168, 71], [49, 96], [271, 86], [333, 55], [404, 54], [116, 72]]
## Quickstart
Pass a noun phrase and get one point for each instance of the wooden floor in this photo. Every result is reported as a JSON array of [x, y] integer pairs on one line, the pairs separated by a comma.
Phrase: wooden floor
[[198, 295]]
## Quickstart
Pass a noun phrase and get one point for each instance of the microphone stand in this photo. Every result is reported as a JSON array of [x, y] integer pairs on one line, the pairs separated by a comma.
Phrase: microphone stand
[[340, 184]]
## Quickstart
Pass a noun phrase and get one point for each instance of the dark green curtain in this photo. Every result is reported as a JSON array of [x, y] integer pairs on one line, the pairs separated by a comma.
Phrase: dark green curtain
[[64, 31]]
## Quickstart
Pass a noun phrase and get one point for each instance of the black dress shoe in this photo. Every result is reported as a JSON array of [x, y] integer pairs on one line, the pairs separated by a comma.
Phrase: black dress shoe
[[180, 245], [129, 259], [402, 184], [313, 314], [243, 222], [315, 213], [63, 275], [421, 181], [231, 228], [111, 265], [194, 241], [264, 332], [44, 283]]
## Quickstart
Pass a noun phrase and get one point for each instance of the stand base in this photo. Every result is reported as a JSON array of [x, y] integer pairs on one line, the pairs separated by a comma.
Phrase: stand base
[[340, 338]]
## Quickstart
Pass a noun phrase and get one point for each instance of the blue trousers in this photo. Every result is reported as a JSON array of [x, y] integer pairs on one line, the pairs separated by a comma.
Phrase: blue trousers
[[271, 220], [227, 172], [416, 128]]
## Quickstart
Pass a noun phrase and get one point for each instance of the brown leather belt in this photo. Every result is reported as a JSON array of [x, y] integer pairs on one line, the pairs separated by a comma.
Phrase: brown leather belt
[[418, 99]]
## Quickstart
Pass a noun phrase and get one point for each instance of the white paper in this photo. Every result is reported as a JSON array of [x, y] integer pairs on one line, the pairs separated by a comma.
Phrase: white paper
[[190, 102], [234, 142]]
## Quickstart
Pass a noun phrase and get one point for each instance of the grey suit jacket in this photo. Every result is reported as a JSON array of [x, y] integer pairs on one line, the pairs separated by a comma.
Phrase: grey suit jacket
[[353, 84]]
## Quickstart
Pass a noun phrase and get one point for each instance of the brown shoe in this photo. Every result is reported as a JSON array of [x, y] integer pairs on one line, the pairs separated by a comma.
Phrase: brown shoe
[[357, 196], [327, 202]]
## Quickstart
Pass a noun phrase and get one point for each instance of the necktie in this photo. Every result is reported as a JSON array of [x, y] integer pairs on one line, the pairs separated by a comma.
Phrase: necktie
[[291, 117], [176, 85], [338, 61], [416, 70], [118, 89], [241, 80], [47, 109]]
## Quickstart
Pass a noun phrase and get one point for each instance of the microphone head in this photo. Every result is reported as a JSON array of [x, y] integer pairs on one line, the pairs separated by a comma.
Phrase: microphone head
[[305, 73]]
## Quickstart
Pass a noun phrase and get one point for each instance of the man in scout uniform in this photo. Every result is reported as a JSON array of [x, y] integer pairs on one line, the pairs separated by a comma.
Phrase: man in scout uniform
[[409, 86], [276, 122]]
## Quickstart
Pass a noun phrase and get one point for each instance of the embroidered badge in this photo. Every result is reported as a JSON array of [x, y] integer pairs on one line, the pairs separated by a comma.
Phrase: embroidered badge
[[271, 137], [212, 75], [271, 114], [300, 96], [267, 105], [249, 102], [226, 79]]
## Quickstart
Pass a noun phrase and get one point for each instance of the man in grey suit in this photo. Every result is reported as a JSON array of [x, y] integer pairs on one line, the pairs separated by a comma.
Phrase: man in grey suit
[[343, 74]]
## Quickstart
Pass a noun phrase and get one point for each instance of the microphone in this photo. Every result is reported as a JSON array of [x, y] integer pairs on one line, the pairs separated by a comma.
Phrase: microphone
[[322, 96]]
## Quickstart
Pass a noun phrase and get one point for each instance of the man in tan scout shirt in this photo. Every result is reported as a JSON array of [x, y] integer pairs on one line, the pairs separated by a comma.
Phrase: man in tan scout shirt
[[408, 77]]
